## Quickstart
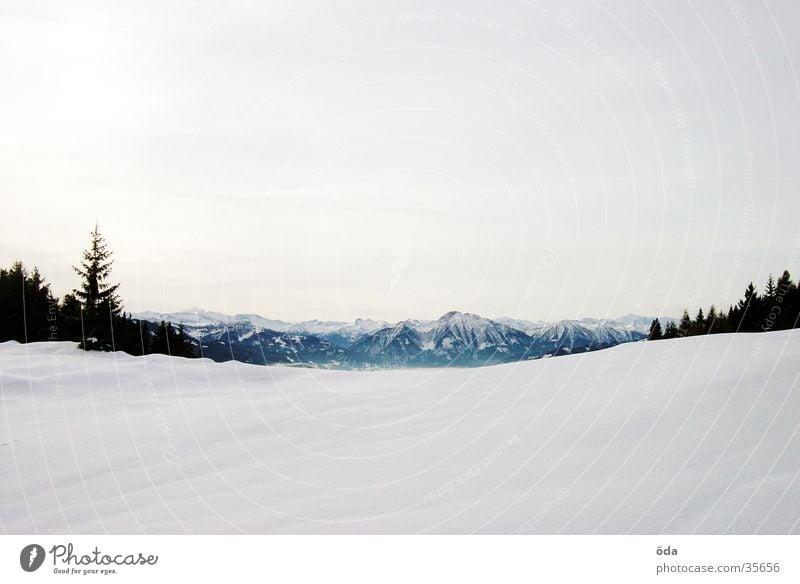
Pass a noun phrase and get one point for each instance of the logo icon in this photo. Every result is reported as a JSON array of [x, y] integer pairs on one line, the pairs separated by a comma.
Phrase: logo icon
[[31, 557]]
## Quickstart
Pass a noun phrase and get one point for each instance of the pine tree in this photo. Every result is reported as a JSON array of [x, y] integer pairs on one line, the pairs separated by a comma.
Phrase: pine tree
[[747, 310], [126, 334], [99, 300], [169, 341], [184, 346], [770, 288], [685, 328], [699, 324], [12, 320], [177, 343], [671, 330], [785, 282], [655, 331], [28, 310], [144, 337], [713, 324], [41, 308], [787, 298], [160, 342], [69, 318]]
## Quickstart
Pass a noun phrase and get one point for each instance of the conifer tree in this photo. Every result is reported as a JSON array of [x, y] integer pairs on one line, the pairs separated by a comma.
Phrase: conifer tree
[[160, 342], [126, 334], [671, 330], [167, 340], [98, 296], [184, 347], [655, 331], [685, 328], [69, 318], [699, 325], [12, 322], [770, 288], [786, 297], [747, 310], [713, 324], [144, 337], [28, 310]]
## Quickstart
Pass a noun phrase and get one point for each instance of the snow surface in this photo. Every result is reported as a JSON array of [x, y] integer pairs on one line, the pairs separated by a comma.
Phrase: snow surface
[[680, 436]]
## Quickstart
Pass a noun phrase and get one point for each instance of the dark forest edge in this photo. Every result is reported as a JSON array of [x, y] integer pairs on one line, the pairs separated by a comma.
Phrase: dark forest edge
[[778, 308], [92, 315]]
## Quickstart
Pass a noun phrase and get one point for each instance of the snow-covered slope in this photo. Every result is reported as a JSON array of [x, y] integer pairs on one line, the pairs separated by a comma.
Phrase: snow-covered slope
[[680, 436]]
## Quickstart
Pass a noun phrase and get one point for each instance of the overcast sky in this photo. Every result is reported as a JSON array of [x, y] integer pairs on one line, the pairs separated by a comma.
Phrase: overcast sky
[[401, 159]]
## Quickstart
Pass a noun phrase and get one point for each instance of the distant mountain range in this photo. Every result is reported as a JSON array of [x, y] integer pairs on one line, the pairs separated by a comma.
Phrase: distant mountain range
[[455, 339]]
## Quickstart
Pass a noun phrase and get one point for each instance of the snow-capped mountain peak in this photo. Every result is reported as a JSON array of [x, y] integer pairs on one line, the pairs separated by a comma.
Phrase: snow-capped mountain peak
[[455, 338]]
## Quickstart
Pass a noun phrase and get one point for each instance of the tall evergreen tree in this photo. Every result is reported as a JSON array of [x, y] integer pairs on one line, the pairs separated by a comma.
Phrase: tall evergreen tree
[[699, 324], [126, 334], [770, 289], [747, 311], [160, 341], [685, 328], [786, 297], [713, 321], [69, 318], [169, 341], [184, 346], [28, 310], [98, 296], [144, 337], [655, 331]]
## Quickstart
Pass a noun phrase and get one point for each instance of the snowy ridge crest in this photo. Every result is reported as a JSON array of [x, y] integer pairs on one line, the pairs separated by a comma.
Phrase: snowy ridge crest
[[454, 339]]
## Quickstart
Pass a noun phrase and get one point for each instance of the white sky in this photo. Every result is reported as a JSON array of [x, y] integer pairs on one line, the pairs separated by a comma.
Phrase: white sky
[[392, 159]]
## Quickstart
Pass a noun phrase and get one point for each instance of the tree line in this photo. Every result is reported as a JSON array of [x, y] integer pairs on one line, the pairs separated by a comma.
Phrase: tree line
[[91, 315], [776, 308]]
